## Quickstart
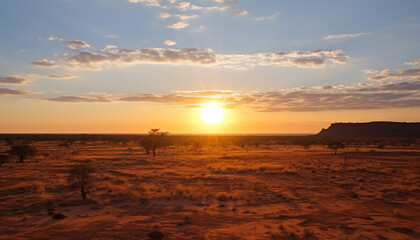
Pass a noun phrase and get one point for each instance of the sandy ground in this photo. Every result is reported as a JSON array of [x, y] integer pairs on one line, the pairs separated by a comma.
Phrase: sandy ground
[[275, 192]]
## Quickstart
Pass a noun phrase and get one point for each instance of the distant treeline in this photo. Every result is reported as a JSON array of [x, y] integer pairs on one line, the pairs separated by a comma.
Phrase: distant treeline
[[212, 140]]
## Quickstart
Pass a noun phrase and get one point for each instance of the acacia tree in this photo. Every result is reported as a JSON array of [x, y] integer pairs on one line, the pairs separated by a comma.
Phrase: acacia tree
[[22, 151], [154, 140], [81, 177], [335, 145]]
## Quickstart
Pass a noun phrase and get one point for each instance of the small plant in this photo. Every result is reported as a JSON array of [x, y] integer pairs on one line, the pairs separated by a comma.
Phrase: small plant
[[22, 151], [81, 177]]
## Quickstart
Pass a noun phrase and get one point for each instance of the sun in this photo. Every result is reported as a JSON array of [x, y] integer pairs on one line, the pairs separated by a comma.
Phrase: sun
[[212, 113]]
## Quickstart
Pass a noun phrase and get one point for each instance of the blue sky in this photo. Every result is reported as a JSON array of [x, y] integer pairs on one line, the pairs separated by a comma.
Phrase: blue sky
[[265, 57]]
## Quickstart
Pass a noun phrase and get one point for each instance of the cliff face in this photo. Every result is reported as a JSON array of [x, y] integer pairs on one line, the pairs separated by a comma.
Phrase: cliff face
[[373, 129]]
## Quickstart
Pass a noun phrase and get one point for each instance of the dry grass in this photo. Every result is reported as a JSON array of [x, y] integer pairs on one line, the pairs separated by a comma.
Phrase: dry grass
[[270, 192]]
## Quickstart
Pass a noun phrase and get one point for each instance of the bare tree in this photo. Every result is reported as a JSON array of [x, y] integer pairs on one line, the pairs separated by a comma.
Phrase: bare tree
[[22, 151], [81, 177]]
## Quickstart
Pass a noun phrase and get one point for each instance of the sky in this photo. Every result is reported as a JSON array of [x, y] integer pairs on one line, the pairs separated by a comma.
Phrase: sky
[[274, 66]]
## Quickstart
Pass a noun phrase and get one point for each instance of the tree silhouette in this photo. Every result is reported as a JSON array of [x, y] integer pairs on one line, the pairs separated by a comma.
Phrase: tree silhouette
[[335, 145], [154, 140], [21, 152], [81, 176]]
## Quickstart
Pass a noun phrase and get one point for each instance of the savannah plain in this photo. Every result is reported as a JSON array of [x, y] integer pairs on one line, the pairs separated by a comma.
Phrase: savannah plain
[[212, 187]]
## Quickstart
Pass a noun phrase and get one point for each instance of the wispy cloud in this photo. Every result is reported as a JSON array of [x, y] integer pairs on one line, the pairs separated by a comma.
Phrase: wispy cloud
[[344, 36], [387, 76], [13, 80], [64, 76], [8, 91], [180, 7], [414, 62], [78, 99], [169, 43], [240, 12], [267, 18], [370, 71], [372, 95], [76, 44], [71, 44], [321, 98], [309, 59], [44, 63], [178, 25]]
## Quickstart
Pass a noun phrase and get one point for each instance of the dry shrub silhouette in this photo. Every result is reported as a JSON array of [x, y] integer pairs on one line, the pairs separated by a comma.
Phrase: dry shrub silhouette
[[81, 177], [22, 151], [335, 145]]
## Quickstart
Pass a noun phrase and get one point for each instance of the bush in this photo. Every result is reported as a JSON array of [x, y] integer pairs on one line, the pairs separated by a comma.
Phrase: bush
[[81, 177], [21, 152]]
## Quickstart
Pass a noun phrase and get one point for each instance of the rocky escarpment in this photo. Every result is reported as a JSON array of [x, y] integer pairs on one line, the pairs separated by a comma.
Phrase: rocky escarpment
[[373, 129]]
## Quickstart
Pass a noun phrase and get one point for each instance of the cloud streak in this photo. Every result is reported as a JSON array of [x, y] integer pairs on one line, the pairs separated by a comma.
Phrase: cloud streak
[[204, 57], [345, 36], [44, 63], [8, 91], [183, 6], [13, 80], [386, 75], [319, 98]]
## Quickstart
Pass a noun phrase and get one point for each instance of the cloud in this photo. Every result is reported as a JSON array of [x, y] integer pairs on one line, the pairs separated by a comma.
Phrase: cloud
[[64, 76], [267, 18], [240, 12], [182, 6], [386, 75], [309, 59], [52, 38], [165, 15], [370, 71], [78, 99], [320, 98], [178, 25], [44, 63], [13, 80], [204, 57], [226, 2], [154, 3], [73, 44], [185, 17], [344, 36], [8, 91], [169, 43], [414, 62], [76, 44], [401, 93]]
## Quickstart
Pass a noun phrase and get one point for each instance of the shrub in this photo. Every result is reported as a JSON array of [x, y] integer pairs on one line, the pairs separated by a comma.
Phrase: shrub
[[335, 145], [22, 151], [81, 177]]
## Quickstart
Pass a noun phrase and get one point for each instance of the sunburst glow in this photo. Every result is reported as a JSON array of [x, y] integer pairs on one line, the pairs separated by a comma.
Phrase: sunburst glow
[[212, 114]]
